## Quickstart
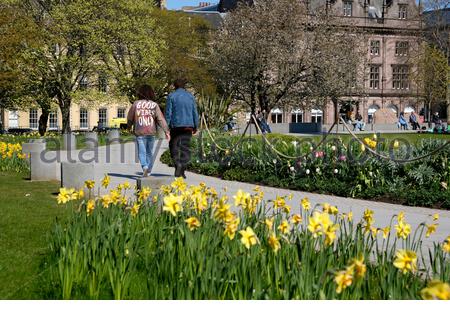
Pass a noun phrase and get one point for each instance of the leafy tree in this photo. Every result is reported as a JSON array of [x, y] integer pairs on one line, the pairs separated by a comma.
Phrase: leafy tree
[[272, 55], [432, 75], [130, 42]]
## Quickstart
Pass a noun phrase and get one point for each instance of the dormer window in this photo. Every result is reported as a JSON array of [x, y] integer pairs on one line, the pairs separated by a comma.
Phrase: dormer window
[[402, 11], [347, 8]]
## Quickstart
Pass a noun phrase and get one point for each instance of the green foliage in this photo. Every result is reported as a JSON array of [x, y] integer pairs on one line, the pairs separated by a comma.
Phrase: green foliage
[[336, 168], [216, 110], [110, 253]]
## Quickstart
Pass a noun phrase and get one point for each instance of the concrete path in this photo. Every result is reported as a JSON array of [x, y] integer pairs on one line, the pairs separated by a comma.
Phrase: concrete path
[[130, 171]]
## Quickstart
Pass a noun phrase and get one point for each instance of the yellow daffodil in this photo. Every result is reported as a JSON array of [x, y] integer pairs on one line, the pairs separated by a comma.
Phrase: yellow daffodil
[[240, 198], [436, 290], [144, 194], [179, 184], [297, 219], [330, 234], [231, 228], [314, 225], [406, 261], [221, 209], [64, 196], [358, 267], [115, 196], [386, 232], [431, 228], [290, 196], [106, 200], [446, 245], [90, 206], [403, 230], [279, 203], [80, 194], [165, 190], [401, 216], [343, 280], [200, 201], [350, 216], [396, 144], [248, 237], [193, 223], [269, 223], [436, 217], [126, 185], [306, 205], [134, 210], [274, 243], [173, 204], [106, 180], [284, 227]]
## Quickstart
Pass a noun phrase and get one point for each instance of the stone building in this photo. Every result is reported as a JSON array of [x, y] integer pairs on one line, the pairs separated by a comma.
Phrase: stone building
[[393, 28]]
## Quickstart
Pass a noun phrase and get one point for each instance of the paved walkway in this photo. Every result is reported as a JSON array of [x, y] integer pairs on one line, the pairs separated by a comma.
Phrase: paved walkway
[[383, 211]]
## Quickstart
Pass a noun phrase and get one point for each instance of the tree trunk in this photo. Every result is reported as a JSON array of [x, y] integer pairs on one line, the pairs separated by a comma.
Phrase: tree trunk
[[64, 106], [2, 119], [43, 119]]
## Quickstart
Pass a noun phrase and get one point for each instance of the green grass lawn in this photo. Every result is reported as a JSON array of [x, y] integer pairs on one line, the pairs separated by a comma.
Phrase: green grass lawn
[[412, 138], [27, 213]]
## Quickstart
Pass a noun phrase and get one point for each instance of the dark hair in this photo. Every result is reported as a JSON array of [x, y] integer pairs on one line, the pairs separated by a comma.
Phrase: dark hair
[[180, 83], [145, 92]]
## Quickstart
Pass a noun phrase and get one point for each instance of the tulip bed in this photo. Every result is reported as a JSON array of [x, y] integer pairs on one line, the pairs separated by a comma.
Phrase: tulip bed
[[186, 242], [338, 167]]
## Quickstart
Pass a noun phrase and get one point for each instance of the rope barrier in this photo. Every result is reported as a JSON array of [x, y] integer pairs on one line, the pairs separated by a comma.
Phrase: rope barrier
[[287, 156], [389, 158], [281, 154], [214, 141]]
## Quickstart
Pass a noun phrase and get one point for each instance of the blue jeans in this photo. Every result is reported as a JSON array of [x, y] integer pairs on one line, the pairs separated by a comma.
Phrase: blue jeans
[[145, 151]]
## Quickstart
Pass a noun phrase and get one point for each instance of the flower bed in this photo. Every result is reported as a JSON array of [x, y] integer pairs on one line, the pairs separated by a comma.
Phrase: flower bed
[[343, 169], [187, 243], [12, 158]]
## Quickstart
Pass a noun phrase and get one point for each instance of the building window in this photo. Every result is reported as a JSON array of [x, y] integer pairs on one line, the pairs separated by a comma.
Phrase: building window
[[401, 48], [84, 82], [347, 8], [400, 77], [316, 115], [102, 83], [84, 124], [102, 119], [297, 116], [374, 77], [276, 116], [375, 47], [402, 11], [53, 120], [121, 113], [33, 119]]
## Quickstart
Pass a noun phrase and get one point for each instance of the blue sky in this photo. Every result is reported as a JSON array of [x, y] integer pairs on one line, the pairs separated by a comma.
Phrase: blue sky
[[177, 4]]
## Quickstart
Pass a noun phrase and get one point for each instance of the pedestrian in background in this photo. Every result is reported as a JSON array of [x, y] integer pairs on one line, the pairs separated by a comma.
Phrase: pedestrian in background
[[144, 115], [182, 119]]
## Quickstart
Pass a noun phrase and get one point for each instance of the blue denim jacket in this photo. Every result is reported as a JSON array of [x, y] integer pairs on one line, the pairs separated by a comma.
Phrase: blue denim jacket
[[181, 110]]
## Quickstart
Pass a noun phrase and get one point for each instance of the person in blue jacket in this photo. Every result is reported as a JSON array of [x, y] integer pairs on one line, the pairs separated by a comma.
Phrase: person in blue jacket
[[182, 119], [402, 121]]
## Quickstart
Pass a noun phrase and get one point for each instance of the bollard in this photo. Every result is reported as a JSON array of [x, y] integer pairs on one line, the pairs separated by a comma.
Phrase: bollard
[[91, 140], [113, 136], [69, 141]]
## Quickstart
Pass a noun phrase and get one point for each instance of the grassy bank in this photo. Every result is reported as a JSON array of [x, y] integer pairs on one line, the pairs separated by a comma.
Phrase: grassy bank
[[28, 210]]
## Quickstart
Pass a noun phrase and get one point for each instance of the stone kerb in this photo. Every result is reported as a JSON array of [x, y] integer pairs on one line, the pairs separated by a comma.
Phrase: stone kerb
[[114, 136], [91, 140], [153, 182]]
